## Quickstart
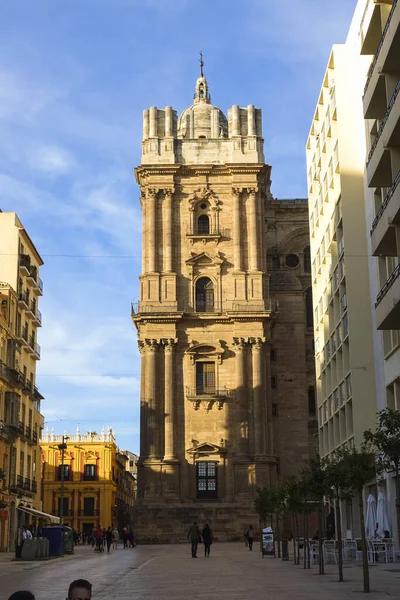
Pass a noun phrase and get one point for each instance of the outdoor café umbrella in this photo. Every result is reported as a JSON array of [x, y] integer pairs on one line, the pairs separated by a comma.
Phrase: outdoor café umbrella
[[370, 521], [382, 518]]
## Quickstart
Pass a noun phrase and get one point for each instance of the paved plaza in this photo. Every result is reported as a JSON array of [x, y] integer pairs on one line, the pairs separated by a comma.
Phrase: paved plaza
[[160, 572]]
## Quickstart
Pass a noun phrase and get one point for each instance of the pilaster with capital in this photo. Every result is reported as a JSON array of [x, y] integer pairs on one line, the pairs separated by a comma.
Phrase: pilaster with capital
[[239, 347], [237, 233], [253, 237], [269, 421], [169, 399], [151, 349], [257, 347], [168, 228], [143, 404], [151, 213]]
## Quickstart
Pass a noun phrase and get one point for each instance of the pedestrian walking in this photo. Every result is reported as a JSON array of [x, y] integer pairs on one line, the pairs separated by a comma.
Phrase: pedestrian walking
[[131, 538], [115, 538], [98, 536], [194, 536], [249, 535], [125, 534], [207, 536], [109, 538]]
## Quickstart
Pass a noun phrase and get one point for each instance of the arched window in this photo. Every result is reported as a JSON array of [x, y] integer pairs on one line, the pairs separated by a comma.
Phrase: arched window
[[307, 259], [204, 295], [203, 225], [309, 308]]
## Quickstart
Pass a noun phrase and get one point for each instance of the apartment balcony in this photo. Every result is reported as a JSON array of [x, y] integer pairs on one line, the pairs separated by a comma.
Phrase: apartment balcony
[[23, 337], [34, 486], [19, 482], [35, 315], [383, 237], [387, 307], [27, 484], [4, 431], [34, 281], [24, 264], [385, 60], [34, 348], [36, 394], [23, 300], [379, 170], [371, 27], [28, 433], [6, 374], [34, 438], [66, 514]]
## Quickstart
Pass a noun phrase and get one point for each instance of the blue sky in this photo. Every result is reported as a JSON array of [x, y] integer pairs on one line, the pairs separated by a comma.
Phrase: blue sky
[[74, 79]]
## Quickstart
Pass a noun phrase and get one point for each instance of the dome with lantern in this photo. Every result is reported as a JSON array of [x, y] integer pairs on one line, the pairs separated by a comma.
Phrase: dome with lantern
[[202, 120]]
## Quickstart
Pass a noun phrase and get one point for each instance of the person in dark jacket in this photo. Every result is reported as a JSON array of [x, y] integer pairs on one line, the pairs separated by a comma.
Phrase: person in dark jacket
[[194, 536], [109, 538], [206, 534]]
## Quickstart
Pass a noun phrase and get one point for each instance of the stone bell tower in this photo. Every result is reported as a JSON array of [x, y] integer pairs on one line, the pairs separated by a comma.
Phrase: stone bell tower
[[203, 320]]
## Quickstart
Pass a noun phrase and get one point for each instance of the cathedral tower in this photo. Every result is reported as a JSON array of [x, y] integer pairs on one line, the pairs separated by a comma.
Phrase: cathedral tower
[[204, 318]]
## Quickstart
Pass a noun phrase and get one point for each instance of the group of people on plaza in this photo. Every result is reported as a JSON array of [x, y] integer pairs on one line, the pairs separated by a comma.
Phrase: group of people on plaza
[[205, 536], [102, 538]]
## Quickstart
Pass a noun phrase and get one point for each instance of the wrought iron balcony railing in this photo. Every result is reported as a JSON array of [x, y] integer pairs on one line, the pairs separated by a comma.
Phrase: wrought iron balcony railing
[[385, 203], [395, 275]]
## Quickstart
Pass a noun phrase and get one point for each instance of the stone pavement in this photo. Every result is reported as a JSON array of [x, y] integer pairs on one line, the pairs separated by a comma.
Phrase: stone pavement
[[161, 572]]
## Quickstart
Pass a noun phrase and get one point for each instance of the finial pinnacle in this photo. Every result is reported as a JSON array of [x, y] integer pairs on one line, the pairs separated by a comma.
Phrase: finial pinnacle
[[201, 63]]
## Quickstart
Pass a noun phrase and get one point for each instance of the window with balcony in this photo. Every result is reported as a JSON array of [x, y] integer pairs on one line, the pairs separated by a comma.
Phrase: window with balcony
[[205, 378], [89, 472], [206, 475], [21, 463], [88, 507], [204, 295], [63, 469], [65, 507]]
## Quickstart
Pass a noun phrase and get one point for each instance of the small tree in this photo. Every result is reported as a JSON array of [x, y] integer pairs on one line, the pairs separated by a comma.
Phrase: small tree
[[265, 503], [361, 468], [385, 441], [318, 488], [337, 477], [292, 494]]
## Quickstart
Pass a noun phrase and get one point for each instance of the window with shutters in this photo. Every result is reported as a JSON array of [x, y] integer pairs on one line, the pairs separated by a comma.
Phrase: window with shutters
[[205, 378], [206, 475]]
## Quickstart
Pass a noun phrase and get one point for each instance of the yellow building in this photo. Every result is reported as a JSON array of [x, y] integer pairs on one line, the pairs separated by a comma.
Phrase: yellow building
[[92, 477], [20, 418], [126, 486]]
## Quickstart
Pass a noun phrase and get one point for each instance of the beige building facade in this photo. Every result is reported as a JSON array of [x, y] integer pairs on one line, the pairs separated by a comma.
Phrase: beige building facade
[[216, 403], [20, 418]]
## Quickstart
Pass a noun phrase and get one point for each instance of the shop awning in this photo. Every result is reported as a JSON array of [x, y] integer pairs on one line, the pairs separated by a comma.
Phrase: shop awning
[[39, 513]]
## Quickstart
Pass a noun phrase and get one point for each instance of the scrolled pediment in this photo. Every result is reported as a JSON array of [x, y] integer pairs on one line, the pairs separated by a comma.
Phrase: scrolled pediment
[[204, 258]]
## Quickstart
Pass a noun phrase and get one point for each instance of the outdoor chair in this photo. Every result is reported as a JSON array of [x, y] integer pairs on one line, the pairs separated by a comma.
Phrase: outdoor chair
[[330, 553]]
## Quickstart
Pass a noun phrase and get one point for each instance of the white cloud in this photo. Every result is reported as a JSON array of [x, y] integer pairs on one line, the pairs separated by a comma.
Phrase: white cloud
[[52, 159]]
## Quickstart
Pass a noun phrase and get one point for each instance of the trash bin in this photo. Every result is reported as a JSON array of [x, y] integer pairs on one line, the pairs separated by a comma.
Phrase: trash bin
[[55, 536], [68, 540]]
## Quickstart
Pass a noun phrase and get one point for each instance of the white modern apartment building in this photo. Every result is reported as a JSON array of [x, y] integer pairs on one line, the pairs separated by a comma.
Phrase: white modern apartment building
[[379, 41]]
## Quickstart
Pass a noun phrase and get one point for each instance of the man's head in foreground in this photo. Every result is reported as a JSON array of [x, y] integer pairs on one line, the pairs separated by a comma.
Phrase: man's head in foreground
[[80, 589]]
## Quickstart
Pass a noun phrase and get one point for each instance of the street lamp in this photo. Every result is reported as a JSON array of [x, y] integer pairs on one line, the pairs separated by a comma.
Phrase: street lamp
[[62, 447]]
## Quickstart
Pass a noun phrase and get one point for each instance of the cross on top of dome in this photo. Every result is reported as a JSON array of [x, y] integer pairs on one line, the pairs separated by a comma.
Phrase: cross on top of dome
[[202, 94]]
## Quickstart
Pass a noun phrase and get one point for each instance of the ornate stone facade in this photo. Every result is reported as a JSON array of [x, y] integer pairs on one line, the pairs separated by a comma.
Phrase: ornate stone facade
[[211, 432]]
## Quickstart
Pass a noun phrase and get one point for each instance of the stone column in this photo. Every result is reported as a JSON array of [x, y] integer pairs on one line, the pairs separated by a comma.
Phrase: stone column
[[151, 205], [144, 245], [168, 227], [253, 237], [151, 391], [239, 346], [251, 121], [169, 399], [153, 121], [168, 121], [268, 420], [258, 391], [146, 124], [144, 450], [237, 232], [235, 120]]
